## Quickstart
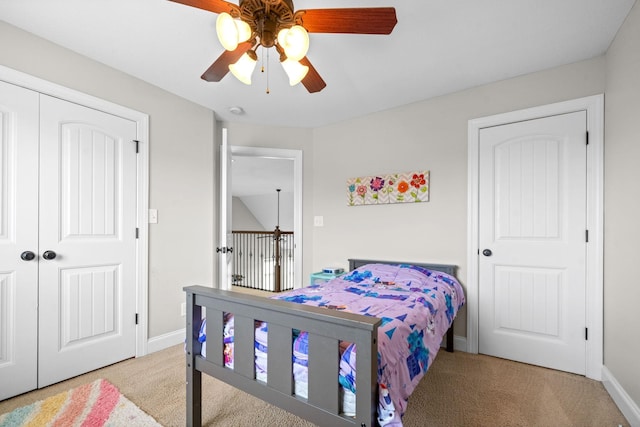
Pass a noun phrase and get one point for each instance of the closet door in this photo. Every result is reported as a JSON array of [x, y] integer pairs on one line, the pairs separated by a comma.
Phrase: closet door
[[18, 235], [87, 240]]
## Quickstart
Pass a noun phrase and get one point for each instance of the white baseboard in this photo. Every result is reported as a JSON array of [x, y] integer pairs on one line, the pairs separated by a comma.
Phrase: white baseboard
[[627, 406], [165, 341]]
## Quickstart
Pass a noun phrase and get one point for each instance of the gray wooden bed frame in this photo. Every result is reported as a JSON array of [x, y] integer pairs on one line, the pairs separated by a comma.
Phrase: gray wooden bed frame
[[325, 327]]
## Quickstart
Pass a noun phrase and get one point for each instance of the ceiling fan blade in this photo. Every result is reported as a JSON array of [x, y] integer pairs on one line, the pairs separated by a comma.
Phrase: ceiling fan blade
[[372, 20], [312, 81], [215, 6], [220, 67]]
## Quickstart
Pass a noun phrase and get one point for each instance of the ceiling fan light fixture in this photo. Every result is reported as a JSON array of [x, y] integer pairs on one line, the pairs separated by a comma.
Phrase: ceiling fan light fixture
[[295, 70], [294, 41], [266, 18], [244, 31], [227, 31], [243, 68], [231, 31]]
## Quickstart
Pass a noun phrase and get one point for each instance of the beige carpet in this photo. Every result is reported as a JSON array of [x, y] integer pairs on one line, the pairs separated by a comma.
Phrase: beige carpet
[[460, 389]]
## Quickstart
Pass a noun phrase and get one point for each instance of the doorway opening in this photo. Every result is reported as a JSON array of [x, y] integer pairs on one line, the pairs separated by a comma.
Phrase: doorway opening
[[252, 204]]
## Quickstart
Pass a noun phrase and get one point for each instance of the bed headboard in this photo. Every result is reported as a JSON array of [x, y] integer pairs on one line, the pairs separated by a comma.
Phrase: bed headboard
[[445, 268]]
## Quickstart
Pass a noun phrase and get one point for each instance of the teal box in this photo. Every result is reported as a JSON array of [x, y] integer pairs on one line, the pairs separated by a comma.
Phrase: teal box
[[321, 277]]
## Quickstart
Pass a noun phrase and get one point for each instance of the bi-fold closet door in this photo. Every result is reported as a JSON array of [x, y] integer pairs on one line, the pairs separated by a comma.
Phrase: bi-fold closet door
[[67, 239]]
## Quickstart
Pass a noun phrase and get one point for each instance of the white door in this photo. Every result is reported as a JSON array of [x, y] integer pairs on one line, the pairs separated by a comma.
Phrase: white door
[[532, 238], [88, 220], [225, 250], [18, 234]]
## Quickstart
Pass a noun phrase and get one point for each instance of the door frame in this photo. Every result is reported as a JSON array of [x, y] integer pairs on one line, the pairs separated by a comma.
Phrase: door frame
[[594, 106], [225, 259], [286, 154], [36, 84]]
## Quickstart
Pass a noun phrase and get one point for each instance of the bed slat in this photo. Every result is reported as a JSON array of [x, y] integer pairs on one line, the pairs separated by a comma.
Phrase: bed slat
[[324, 359], [279, 369], [243, 346], [214, 336], [366, 379]]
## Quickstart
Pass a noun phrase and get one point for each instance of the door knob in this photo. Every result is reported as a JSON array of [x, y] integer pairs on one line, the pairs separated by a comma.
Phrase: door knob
[[487, 252], [27, 255], [48, 255]]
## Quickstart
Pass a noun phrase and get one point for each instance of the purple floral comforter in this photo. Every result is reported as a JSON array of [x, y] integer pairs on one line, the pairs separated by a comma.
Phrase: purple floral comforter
[[416, 306]]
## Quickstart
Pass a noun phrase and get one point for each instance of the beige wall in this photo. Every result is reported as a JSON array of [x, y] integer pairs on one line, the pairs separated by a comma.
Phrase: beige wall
[[427, 135], [622, 207], [181, 165]]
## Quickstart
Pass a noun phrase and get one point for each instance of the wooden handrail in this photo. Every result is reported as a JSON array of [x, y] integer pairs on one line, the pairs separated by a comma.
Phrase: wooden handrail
[[259, 232]]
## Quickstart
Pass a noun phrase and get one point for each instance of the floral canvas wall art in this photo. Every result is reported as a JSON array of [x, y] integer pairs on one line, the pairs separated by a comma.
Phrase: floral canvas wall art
[[408, 187]]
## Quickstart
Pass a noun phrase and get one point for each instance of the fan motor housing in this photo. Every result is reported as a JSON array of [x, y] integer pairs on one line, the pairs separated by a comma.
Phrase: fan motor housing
[[281, 10], [266, 18]]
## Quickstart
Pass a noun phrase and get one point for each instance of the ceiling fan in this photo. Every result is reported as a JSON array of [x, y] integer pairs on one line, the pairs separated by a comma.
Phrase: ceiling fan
[[244, 27]]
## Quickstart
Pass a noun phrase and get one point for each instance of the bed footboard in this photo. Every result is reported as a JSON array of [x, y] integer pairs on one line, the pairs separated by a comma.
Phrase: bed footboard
[[326, 329]]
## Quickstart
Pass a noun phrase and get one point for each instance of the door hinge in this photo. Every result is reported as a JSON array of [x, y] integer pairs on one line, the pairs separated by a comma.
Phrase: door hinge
[[586, 236], [137, 145], [137, 233], [136, 318], [586, 334], [587, 137]]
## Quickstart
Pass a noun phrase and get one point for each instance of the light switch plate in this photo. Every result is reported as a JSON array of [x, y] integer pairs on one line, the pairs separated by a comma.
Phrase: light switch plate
[[153, 216], [318, 221]]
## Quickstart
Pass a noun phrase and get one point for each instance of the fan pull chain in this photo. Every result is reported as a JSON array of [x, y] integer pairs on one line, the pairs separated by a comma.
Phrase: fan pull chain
[[268, 91], [263, 66]]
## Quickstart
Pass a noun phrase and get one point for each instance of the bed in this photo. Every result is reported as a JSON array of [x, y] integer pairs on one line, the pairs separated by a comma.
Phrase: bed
[[329, 330]]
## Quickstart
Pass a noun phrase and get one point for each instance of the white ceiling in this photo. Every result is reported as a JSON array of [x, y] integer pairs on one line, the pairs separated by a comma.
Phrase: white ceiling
[[252, 176], [437, 47]]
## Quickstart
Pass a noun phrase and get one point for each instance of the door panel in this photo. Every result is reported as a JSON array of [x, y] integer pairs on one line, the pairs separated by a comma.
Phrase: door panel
[[88, 298], [87, 217], [532, 199], [18, 233], [89, 179]]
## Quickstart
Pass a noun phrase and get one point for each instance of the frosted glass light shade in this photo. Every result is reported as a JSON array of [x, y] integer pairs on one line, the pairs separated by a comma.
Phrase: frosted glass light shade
[[231, 31], [295, 70], [243, 68], [227, 31], [244, 31], [294, 41]]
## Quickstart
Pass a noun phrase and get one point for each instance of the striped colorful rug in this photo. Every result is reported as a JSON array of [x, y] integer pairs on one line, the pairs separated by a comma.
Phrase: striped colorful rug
[[92, 405]]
